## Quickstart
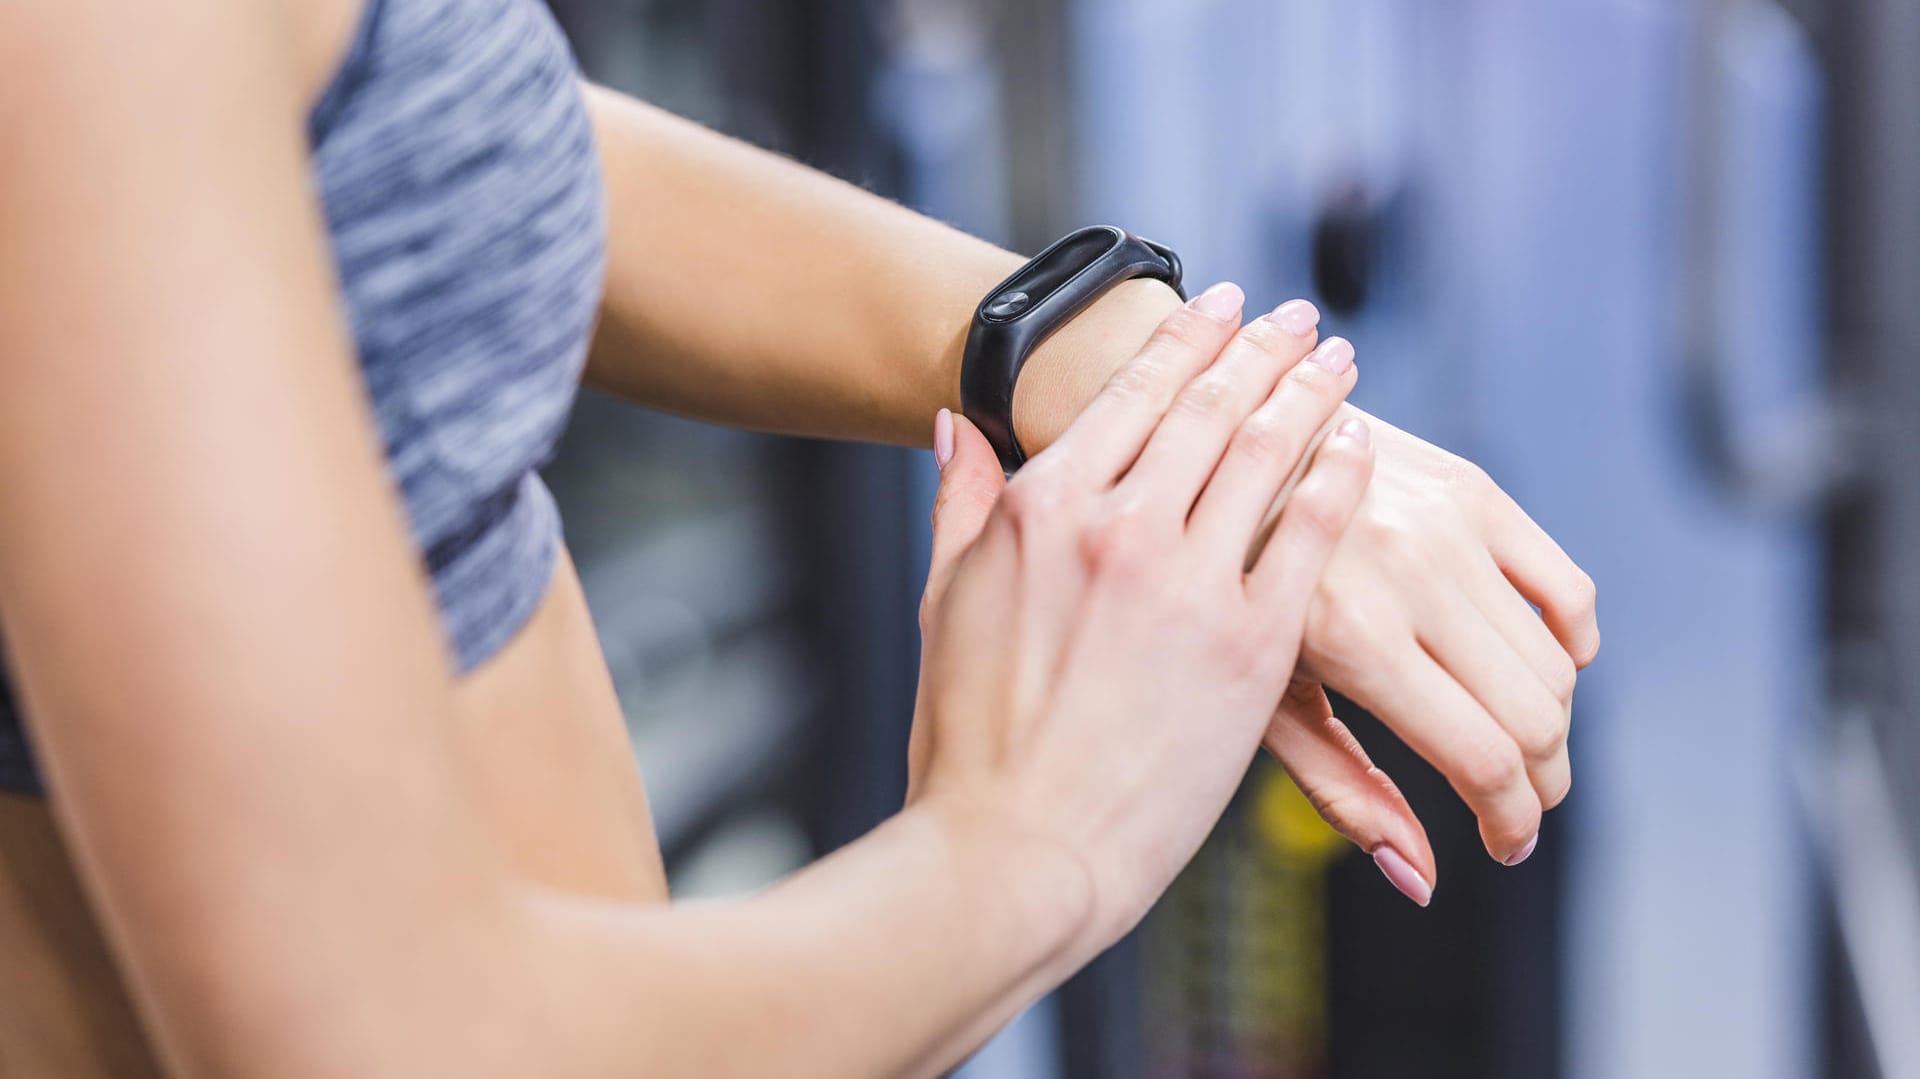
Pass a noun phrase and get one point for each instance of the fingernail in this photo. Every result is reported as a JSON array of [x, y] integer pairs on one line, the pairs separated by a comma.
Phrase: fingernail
[[1401, 874], [1355, 429], [1526, 851], [1297, 317], [1334, 354], [942, 438], [1222, 301]]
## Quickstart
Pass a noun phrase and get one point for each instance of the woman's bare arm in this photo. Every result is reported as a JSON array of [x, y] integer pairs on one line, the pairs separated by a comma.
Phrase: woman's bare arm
[[748, 289], [230, 659]]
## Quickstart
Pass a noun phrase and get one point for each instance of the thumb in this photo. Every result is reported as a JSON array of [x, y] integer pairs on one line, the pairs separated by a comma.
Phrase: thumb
[[1355, 797], [970, 483]]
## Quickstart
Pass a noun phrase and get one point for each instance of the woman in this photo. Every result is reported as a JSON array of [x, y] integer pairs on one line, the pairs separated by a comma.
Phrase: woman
[[326, 774]]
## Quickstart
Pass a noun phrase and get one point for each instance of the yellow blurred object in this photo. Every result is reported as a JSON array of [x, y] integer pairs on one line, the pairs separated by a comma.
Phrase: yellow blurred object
[[1234, 966], [1285, 818]]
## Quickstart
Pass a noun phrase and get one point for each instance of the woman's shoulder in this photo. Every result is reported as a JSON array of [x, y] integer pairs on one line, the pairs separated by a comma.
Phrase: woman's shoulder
[[50, 48]]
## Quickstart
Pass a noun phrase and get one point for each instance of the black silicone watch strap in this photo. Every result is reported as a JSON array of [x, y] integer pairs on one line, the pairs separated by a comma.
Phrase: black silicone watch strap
[[1036, 300]]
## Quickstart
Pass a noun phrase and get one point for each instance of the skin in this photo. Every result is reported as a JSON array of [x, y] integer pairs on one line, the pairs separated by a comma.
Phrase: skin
[[1425, 616], [486, 894]]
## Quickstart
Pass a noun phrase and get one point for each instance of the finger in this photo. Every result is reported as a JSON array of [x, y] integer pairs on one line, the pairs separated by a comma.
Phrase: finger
[[1522, 628], [1443, 723], [1269, 447], [1351, 794], [1313, 521], [1547, 577], [1479, 658], [1517, 621], [1186, 447], [970, 484], [1103, 441]]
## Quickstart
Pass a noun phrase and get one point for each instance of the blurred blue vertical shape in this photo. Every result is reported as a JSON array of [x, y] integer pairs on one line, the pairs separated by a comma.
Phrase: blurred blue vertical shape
[[1689, 918], [1225, 128]]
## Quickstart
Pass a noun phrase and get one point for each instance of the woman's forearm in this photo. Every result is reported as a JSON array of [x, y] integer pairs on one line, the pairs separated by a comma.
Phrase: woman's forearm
[[872, 962], [746, 289]]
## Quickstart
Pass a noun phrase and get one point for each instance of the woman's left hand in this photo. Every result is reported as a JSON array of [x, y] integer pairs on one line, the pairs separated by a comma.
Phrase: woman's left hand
[[1425, 617]]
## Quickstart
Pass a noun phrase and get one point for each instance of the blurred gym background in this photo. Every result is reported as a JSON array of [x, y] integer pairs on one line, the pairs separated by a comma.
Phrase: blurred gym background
[[1654, 263]]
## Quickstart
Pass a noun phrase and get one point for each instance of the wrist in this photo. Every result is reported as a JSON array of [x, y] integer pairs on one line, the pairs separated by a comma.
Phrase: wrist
[[1033, 893], [1066, 370]]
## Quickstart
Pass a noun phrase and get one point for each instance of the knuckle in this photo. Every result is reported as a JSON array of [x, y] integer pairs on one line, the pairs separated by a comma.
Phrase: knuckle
[[1327, 500], [1264, 436], [1267, 336], [1050, 473], [1337, 626], [1350, 466], [1463, 475], [1311, 379], [1440, 506], [1116, 543], [1562, 676], [1319, 515], [1492, 769], [1557, 789], [1399, 544], [1588, 651], [1580, 594], [1204, 398], [1541, 737], [1185, 331], [1136, 379], [1512, 832], [1026, 498], [1575, 603], [1310, 389]]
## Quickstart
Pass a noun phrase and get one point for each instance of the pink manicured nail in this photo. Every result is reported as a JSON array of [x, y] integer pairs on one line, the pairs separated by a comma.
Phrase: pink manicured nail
[[1334, 354], [1526, 851], [942, 438], [1401, 874], [1222, 301], [1297, 317], [1355, 429]]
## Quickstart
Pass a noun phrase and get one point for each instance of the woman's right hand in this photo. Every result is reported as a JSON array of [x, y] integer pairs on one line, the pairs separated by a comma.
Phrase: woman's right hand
[[1100, 663]]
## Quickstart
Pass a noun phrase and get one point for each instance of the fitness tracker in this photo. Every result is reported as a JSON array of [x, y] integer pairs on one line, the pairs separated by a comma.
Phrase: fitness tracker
[[1038, 299]]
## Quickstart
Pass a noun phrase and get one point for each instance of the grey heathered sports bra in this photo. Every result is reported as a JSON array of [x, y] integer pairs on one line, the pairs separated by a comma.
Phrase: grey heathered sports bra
[[463, 199]]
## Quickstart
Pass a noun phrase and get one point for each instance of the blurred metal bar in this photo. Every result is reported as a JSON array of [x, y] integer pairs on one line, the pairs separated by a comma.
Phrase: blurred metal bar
[[1873, 53], [801, 78], [1801, 457], [1036, 104], [1876, 895], [1875, 219]]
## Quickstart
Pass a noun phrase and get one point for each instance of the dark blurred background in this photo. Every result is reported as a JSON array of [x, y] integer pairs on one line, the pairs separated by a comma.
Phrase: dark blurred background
[[1654, 263]]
